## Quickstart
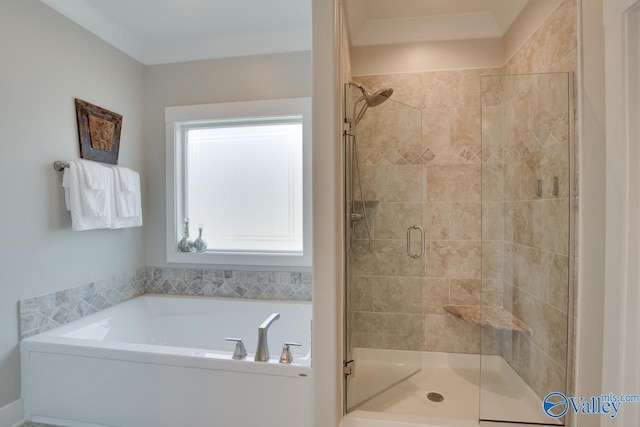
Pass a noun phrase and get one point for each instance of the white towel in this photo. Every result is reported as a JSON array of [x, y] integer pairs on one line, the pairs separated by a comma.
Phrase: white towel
[[75, 188], [119, 221], [126, 199], [127, 192], [95, 183]]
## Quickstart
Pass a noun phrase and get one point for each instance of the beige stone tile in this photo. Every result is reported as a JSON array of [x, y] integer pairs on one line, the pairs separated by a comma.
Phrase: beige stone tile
[[555, 289], [493, 180], [435, 295], [393, 219], [550, 97], [554, 163], [364, 263], [466, 127], [508, 250], [566, 64], [392, 183], [550, 43], [492, 220], [490, 343], [361, 293], [364, 130], [492, 125], [368, 322], [529, 175], [492, 291], [397, 294], [391, 259], [388, 330], [360, 227], [367, 340], [464, 291], [453, 259], [437, 258], [453, 88], [524, 307], [550, 331], [528, 270], [465, 221], [516, 85], [523, 222], [465, 260], [455, 155], [399, 129], [512, 178], [492, 259], [550, 228], [518, 117], [436, 128], [491, 88], [454, 183], [556, 38], [438, 87], [447, 333], [435, 218], [408, 88]]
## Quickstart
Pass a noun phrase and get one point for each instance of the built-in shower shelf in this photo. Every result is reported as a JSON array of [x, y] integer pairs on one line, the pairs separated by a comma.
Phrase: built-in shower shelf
[[497, 317]]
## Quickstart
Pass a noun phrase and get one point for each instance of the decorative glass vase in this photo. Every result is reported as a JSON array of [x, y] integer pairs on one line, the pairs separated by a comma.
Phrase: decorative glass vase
[[186, 244], [199, 244]]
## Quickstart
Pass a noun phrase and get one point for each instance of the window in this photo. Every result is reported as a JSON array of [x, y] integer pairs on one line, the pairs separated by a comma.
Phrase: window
[[243, 171]]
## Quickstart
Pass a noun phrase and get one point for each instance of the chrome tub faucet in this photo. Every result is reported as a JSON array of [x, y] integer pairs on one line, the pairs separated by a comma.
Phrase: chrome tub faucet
[[262, 353]]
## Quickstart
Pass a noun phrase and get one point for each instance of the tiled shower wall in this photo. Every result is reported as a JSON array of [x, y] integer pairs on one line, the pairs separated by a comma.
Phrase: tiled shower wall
[[45, 312], [420, 163]]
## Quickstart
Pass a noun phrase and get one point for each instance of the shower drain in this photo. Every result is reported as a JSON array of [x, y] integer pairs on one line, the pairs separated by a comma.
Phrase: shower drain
[[435, 397]]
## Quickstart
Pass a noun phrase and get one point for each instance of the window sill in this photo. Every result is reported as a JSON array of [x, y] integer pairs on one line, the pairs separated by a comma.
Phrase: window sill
[[279, 260]]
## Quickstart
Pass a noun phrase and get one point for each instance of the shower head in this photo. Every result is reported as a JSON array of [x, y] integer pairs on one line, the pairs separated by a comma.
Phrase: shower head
[[378, 97], [370, 99]]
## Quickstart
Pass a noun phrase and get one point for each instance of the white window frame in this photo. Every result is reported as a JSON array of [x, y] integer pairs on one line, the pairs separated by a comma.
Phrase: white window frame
[[175, 120]]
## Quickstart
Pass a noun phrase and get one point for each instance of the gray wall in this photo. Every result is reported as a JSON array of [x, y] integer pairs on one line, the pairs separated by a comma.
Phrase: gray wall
[[47, 61], [203, 82]]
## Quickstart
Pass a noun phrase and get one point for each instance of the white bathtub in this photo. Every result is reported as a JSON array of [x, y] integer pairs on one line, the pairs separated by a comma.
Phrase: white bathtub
[[163, 361]]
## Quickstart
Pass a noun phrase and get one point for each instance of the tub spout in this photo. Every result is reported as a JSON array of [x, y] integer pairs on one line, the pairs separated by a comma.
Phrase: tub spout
[[262, 353]]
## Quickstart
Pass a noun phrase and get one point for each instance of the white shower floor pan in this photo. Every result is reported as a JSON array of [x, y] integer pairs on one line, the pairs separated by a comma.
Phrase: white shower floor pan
[[505, 396]]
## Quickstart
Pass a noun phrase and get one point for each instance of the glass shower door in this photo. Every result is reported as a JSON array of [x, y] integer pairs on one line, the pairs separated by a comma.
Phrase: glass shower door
[[526, 126], [384, 247]]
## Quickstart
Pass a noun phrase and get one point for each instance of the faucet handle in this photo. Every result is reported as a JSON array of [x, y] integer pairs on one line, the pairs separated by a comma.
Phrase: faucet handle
[[286, 356], [240, 352]]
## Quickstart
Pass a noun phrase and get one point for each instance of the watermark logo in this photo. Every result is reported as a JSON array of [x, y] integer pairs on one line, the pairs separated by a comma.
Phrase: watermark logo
[[556, 404]]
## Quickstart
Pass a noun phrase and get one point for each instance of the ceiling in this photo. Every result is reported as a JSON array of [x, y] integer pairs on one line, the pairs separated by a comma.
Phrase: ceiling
[[376, 22], [166, 31]]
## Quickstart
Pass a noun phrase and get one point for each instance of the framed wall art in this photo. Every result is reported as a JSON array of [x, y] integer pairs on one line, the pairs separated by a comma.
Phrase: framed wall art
[[99, 132]]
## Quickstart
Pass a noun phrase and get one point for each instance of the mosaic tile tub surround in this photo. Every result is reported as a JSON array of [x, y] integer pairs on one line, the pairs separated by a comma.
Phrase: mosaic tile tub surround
[[45, 312]]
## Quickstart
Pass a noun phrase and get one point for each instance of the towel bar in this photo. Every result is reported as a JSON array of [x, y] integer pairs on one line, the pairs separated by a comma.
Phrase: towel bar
[[60, 165]]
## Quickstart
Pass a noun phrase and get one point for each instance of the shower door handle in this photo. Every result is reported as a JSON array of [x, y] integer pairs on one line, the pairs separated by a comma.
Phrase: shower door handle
[[422, 242]]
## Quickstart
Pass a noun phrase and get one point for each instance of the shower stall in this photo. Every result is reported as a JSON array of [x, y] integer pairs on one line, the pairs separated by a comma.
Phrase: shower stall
[[458, 241]]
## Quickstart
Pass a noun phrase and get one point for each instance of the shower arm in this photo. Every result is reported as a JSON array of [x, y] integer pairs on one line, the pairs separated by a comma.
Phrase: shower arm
[[360, 115]]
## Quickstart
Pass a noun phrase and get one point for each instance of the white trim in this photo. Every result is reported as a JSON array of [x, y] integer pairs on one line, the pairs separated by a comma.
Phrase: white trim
[[327, 213], [176, 116], [12, 415], [621, 352]]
